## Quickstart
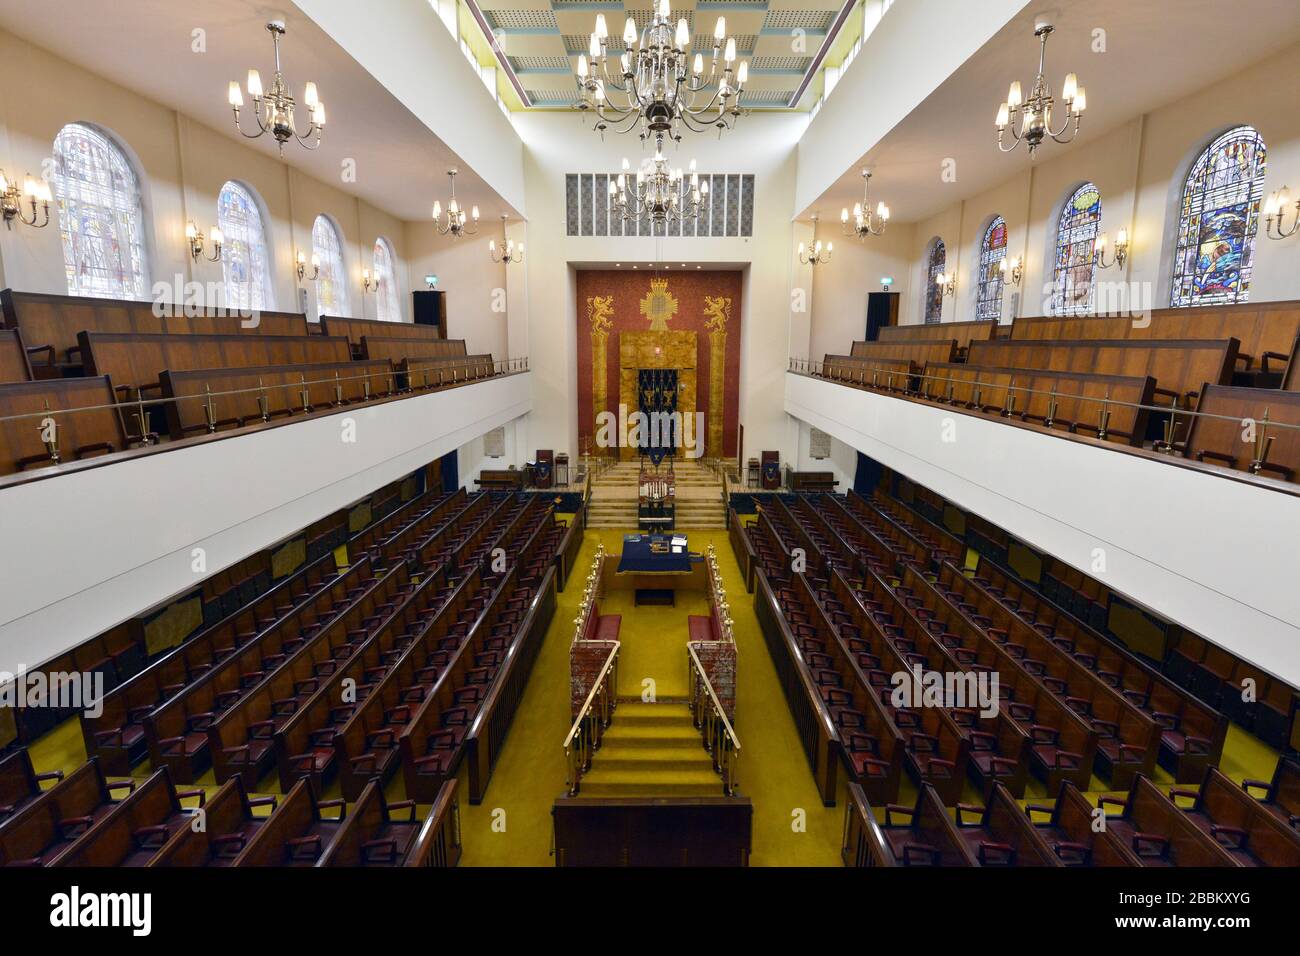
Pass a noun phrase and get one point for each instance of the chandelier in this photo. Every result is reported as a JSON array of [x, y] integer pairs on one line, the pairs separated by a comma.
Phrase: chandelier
[[456, 221], [509, 251], [865, 222], [274, 110], [1034, 117], [817, 255], [656, 83], [655, 193]]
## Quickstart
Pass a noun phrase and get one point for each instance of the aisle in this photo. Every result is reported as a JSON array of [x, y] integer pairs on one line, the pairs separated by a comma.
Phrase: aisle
[[513, 825]]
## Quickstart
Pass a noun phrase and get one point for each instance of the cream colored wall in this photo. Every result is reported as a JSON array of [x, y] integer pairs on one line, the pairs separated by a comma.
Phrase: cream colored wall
[[182, 165], [840, 287], [475, 285], [1139, 169]]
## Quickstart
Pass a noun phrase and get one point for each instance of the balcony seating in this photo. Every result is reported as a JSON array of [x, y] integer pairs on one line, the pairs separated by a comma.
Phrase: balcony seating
[[15, 366], [397, 348], [1215, 435], [77, 434], [917, 351], [48, 826], [355, 329]]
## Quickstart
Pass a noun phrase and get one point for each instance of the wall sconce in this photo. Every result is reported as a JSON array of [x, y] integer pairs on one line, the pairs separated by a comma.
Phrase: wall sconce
[[1121, 250], [369, 283], [1013, 270], [1274, 210], [817, 255], [302, 267], [12, 198], [947, 283], [196, 240]]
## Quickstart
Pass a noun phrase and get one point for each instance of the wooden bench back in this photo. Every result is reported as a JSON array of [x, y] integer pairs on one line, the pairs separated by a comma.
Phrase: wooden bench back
[[918, 351], [77, 434], [267, 392], [878, 372], [1222, 441], [963, 332], [14, 365], [1268, 328], [398, 348], [113, 839], [136, 361], [1179, 366], [293, 818], [356, 329], [56, 320], [429, 372]]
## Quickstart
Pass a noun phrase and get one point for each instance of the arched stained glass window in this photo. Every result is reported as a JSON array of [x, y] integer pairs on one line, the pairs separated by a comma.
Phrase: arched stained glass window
[[936, 264], [331, 288], [245, 262], [388, 302], [993, 250], [1076, 252], [1217, 221], [101, 220]]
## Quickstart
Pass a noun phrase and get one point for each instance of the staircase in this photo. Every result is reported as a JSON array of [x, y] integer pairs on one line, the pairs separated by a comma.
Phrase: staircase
[[651, 750], [614, 497]]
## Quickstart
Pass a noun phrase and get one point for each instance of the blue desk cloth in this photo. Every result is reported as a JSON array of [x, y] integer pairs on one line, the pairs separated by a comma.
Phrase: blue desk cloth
[[637, 556]]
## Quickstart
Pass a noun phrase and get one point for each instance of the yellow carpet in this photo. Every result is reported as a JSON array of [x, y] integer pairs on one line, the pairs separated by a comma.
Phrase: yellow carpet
[[791, 827]]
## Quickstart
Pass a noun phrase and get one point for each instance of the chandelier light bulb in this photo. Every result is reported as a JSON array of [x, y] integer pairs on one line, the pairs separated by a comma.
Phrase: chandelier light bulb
[[1014, 96], [254, 84], [437, 209], [582, 66], [315, 261], [474, 213], [453, 207], [1080, 101], [594, 47], [218, 237], [1121, 238], [883, 212], [626, 61], [664, 10], [730, 55], [629, 32], [602, 30], [1070, 87], [309, 96], [801, 249], [720, 31], [235, 96], [318, 114], [191, 230], [1004, 116], [698, 66], [742, 75], [683, 34]]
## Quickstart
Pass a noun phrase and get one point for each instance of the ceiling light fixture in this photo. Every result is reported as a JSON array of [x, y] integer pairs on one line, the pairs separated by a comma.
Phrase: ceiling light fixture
[[456, 222], [655, 193], [1031, 121], [817, 255], [865, 222], [509, 252], [274, 111]]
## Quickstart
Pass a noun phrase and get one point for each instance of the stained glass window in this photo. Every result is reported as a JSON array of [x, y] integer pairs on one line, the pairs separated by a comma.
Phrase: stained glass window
[[1076, 252], [245, 263], [331, 290], [993, 250], [1217, 221], [100, 217], [937, 262], [388, 302]]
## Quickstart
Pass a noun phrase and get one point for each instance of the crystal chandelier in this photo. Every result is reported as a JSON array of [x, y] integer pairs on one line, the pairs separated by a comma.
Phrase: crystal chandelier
[[655, 193], [274, 110], [865, 222], [1034, 117], [656, 84], [456, 221]]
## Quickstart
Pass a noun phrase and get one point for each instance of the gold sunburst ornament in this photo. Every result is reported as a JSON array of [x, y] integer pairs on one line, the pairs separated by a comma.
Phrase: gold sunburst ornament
[[659, 305]]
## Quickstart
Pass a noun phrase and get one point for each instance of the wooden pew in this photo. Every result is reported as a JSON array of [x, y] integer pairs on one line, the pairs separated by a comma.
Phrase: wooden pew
[[370, 539], [813, 481], [1000, 834], [116, 736], [15, 366], [77, 434], [918, 351], [47, 827], [438, 842], [895, 375], [265, 393], [136, 361], [52, 323], [1180, 367], [230, 822], [1158, 833], [373, 834], [923, 835], [963, 332], [1069, 832], [355, 329], [20, 784], [296, 834], [1281, 795], [1241, 825], [422, 373], [395, 349], [137, 828], [1215, 433], [741, 547], [1267, 331], [503, 479], [1073, 401]]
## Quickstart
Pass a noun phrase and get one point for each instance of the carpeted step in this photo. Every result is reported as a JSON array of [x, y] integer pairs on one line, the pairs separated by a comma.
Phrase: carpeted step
[[604, 782], [618, 755], [641, 714]]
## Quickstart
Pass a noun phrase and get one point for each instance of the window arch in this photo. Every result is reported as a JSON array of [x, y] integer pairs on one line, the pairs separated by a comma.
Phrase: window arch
[[245, 262], [1217, 221], [1076, 252], [388, 302], [101, 220], [331, 290], [935, 264], [993, 250]]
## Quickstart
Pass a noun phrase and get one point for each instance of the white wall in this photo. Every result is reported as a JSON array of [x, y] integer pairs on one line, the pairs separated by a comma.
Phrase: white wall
[[475, 285], [74, 565], [182, 165], [840, 287], [556, 144], [1139, 169], [1072, 501]]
